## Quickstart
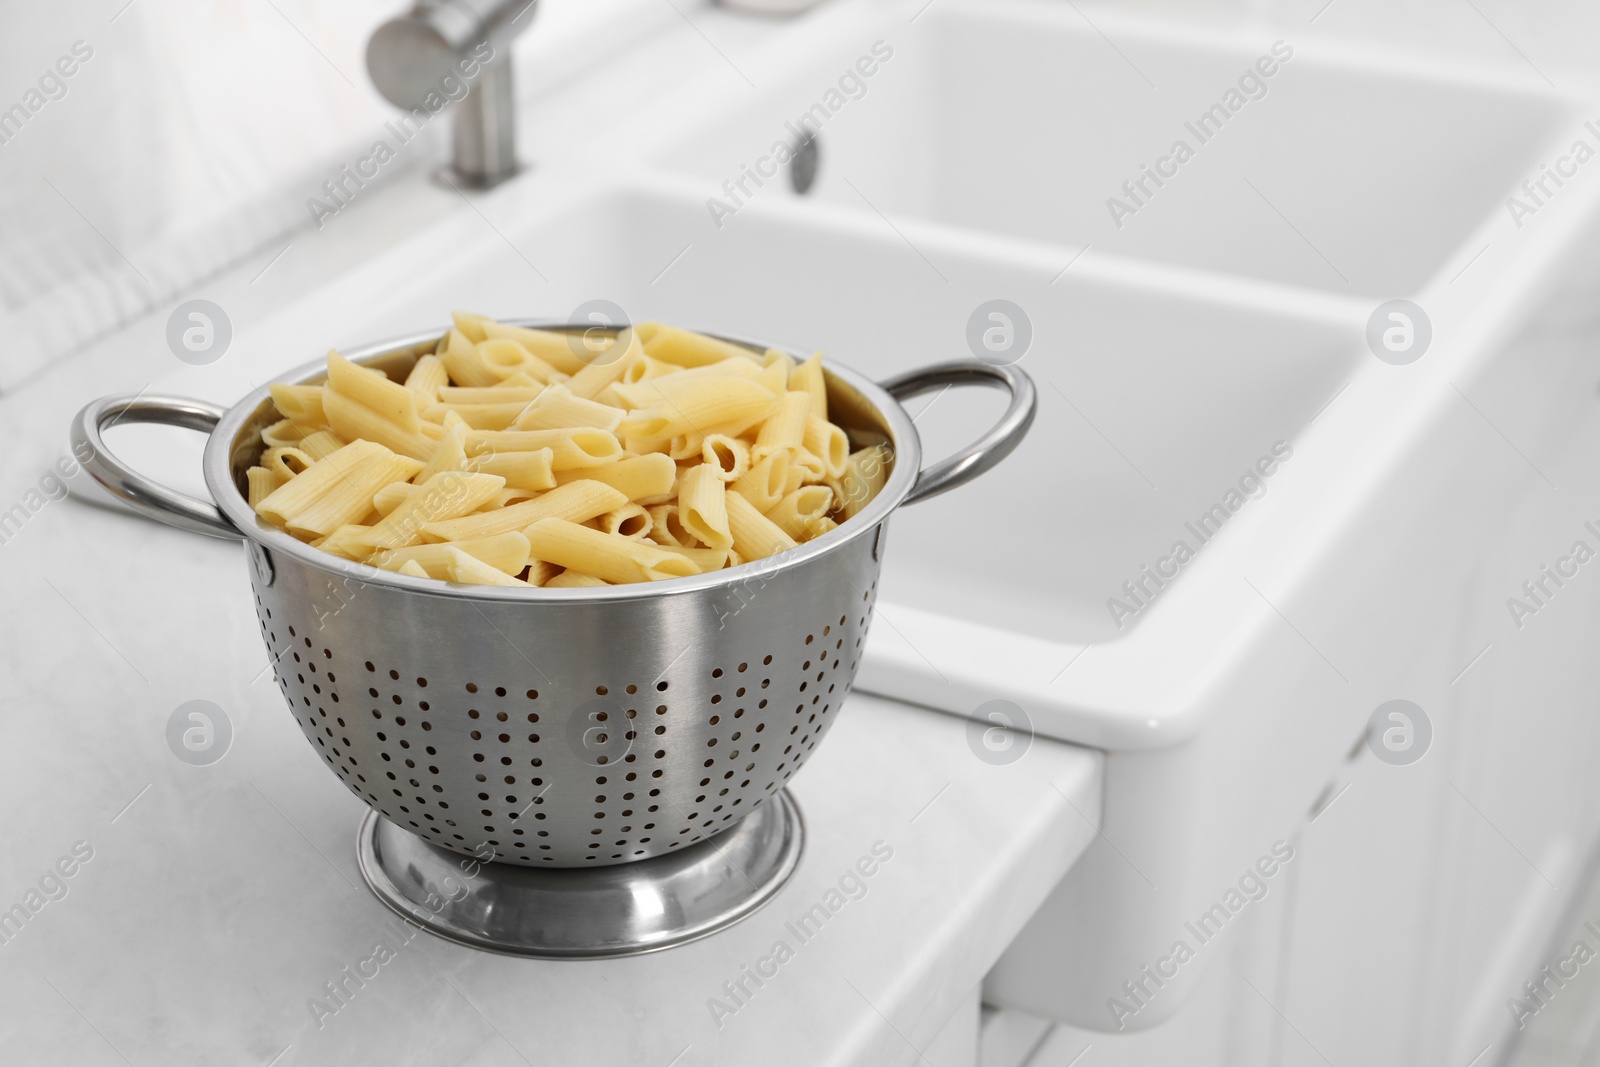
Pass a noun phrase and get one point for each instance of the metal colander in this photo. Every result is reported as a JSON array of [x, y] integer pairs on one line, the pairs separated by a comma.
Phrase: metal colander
[[560, 727]]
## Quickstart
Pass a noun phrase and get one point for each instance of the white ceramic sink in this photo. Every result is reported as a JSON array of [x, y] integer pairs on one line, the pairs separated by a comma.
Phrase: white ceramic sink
[[1026, 118]]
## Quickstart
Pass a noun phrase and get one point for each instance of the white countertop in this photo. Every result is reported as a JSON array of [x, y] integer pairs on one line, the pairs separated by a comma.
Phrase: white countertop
[[219, 899]]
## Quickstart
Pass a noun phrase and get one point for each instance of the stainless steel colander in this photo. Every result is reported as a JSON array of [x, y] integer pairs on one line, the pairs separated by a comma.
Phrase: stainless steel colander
[[560, 727]]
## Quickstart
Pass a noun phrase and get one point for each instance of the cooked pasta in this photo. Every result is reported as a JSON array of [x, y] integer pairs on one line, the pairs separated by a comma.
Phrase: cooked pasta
[[533, 458]]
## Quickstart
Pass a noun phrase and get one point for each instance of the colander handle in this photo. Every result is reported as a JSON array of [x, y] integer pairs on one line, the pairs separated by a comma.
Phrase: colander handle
[[141, 494], [989, 449]]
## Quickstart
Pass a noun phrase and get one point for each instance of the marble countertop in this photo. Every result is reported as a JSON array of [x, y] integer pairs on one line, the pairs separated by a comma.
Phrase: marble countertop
[[206, 906]]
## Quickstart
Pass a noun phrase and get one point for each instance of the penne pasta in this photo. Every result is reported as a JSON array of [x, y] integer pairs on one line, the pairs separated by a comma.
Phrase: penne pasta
[[784, 431], [427, 379], [699, 405], [797, 513], [560, 408], [569, 448], [605, 556], [807, 378], [574, 502], [506, 553], [827, 443], [574, 580], [728, 455], [260, 483], [765, 483], [630, 521], [563, 459], [686, 348], [702, 506], [521, 470], [300, 404], [754, 535]]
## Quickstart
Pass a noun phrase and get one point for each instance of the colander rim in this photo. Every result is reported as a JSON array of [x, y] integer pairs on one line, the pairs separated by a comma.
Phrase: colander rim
[[217, 469]]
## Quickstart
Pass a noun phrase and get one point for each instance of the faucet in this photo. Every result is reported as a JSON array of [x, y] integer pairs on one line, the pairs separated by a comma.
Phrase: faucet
[[444, 51]]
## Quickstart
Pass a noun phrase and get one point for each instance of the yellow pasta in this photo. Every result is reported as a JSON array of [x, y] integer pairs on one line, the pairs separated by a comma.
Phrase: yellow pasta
[[605, 556], [283, 432], [784, 430], [545, 459], [728, 455], [828, 443], [573, 580], [807, 378], [521, 470], [798, 512], [561, 408], [765, 483], [699, 405], [507, 553], [261, 483], [300, 404], [754, 535], [569, 448], [630, 521], [426, 380], [575, 502]]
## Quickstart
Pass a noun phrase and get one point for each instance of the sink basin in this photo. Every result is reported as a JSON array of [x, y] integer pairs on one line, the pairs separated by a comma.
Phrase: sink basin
[[1026, 119]]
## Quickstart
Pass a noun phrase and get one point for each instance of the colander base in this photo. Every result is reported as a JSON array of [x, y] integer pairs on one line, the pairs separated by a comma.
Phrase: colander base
[[585, 913]]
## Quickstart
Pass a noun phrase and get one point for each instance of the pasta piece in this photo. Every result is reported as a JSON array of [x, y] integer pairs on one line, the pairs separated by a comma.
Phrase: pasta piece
[[754, 535], [797, 513], [606, 366], [300, 404], [702, 507], [471, 326], [707, 559], [666, 530], [373, 389], [765, 483], [699, 405], [574, 580], [507, 553], [391, 496], [630, 521], [503, 393], [863, 478], [784, 430], [606, 556], [412, 569], [775, 376], [319, 444], [505, 357], [285, 462], [541, 571], [805, 469], [465, 363], [469, 570], [688, 446], [775, 355], [556, 349], [574, 502], [728, 455], [521, 470], [829, 444], [644, 367], [808, 378], [426, 380], [558, 408], [509, 496], [685, 348], [260, 484], [337, 490], [444, 496], [450, 454], [569, 448], [283, 432], [354, 421], [479, 416]]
